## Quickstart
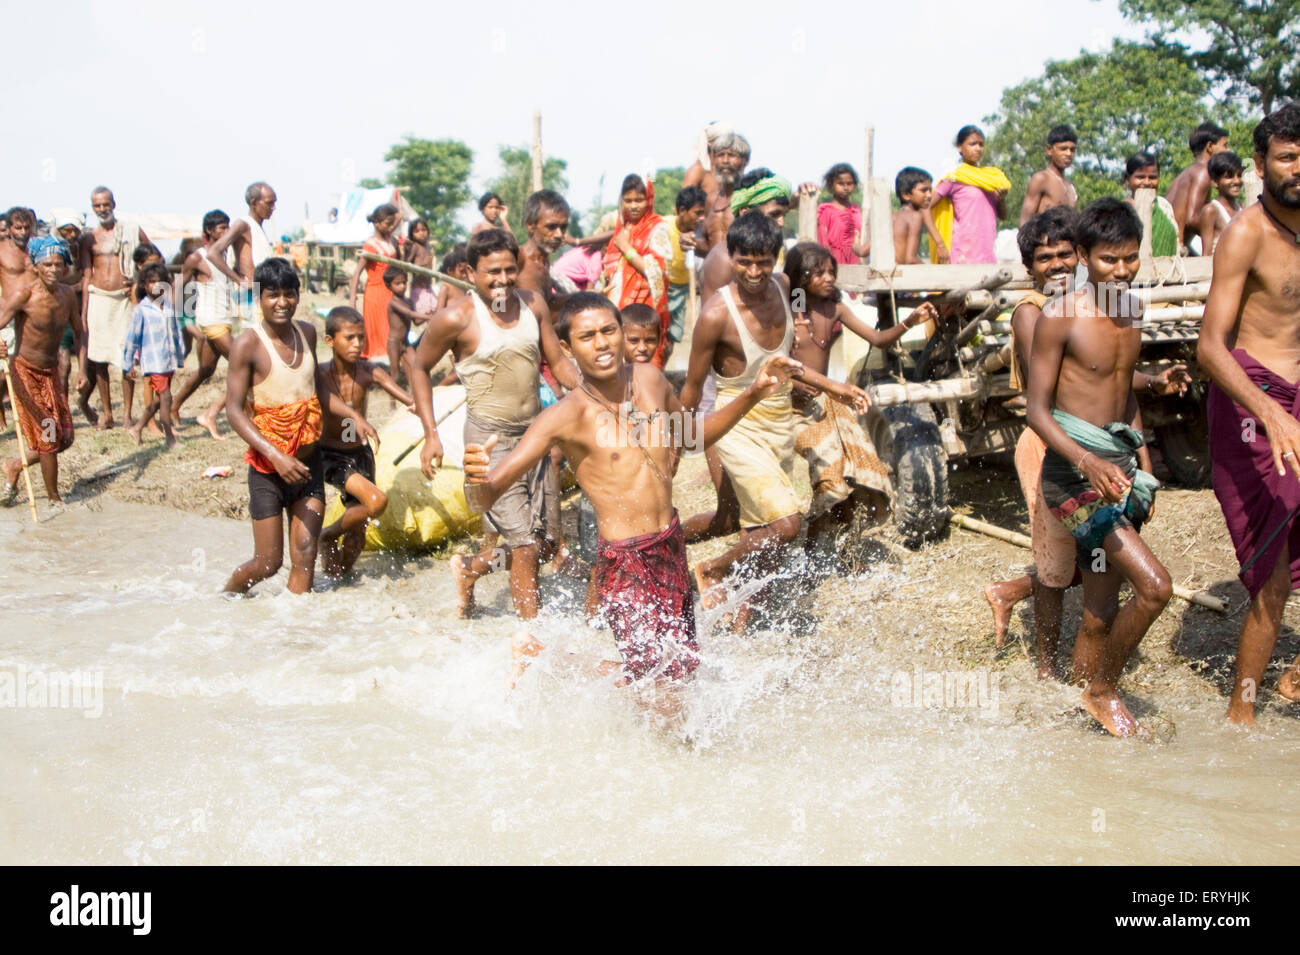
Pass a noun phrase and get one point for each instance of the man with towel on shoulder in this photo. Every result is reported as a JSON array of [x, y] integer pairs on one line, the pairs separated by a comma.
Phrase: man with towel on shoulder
[[1250, 345], [106, 256]]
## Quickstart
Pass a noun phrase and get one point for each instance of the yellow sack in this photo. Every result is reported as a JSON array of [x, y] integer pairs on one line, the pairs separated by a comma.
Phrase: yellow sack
[[420, 515]]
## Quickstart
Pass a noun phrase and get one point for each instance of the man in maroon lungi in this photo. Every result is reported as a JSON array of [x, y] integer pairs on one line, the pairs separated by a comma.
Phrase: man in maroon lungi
[[1250, 345]]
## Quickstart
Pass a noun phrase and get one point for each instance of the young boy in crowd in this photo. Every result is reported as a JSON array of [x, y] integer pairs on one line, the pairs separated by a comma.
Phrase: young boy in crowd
[[915, 190], [273, 370], [1225, 170], [842, 461], [40, 307], [1048, 187], [1096, 473], [347, 460], [401, 314], [690, 205], [155, 337], [640, 332]]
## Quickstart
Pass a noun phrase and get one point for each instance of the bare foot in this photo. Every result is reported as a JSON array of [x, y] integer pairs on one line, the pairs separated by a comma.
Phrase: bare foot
[[331, 563], [176, 418], [1289, 683], [83, 404], [106, 423], [1241, 716], [712, 593], [211, 425], [136, 432], [464, 578], [172, 440], [1109, 710], [523, 648], [1002, 598], [154, 430], [740, 619]]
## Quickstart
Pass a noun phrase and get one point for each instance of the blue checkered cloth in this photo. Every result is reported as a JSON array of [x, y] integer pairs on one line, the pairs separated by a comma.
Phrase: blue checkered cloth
[[156, 337]]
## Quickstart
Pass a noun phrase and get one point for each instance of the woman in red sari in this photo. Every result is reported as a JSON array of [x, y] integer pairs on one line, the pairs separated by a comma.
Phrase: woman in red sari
[[635, 266], [385, 219]]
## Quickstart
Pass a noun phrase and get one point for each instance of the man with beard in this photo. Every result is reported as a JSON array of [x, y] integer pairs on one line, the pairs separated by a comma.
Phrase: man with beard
[[546, 217], [1248, 345], [729, 155], [107, 261], [14, 264]]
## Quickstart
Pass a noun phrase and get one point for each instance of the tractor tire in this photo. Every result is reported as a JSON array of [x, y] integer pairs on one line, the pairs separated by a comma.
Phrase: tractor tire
[[1185, 446], [907, 439]]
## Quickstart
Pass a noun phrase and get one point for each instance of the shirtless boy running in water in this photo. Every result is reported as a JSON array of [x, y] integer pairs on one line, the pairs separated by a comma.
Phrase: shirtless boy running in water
[[623, 430], [1081, 403]]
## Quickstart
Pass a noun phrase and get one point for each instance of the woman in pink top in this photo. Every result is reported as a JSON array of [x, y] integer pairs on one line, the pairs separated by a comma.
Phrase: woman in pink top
[[839, 222], [977, 196]]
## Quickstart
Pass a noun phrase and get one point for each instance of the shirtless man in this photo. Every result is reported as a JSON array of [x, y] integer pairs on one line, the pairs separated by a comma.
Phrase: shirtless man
[[1047, 249], [213, 308], [1081, 403], [1048, 187], [729, 155], [700, 172], [41, 307], [68, 229], [624, 463], [497, 335], [747, 322], [546, 217], [1190, 189], [1250, 346], [107, 261], [15, 267]]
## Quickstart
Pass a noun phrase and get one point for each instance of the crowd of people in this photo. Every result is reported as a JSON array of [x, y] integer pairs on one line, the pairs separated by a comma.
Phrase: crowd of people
[[562, 365]]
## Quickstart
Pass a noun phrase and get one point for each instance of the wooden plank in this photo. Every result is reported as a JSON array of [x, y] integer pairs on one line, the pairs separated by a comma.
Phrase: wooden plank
[[868, 164], [880, 226], [807, 218], [537, 150], [940, 278], [1144, 200], [1251, 185]]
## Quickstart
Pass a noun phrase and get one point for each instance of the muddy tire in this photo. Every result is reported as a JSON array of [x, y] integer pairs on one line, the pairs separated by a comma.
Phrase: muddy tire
[[1185, 446], [907, 439]]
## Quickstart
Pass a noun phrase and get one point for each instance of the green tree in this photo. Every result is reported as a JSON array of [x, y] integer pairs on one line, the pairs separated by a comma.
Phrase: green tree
[[434, 176], [1247, 47], [668, 182], [370, 182], [515, 184], [1134, 97]]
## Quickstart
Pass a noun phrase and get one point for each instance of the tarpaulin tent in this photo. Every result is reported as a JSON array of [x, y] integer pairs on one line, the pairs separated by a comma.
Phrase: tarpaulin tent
[[351, 226]]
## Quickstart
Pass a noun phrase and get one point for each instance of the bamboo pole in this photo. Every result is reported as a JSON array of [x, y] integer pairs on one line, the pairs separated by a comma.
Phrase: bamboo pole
[[1251, 185], [22, 444], [537, 150], [880, 226], [419, 270], [1144, 200], [868, 164], [807, 218], [1198, 597]]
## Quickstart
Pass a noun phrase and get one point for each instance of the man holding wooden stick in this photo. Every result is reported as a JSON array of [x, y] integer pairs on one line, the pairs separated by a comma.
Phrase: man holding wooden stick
[[41, 308], [1250, 345], [497, 335]]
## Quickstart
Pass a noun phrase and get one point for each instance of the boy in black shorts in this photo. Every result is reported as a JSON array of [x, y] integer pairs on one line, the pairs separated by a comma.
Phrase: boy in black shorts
[[348, 461]]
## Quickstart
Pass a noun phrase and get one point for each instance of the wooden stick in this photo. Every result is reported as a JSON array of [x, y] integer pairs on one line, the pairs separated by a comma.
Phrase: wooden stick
[[537, 150], [868, 163], [1144, 200], [879, 223], [420, 440], [1198, 597], [807, 218], [419, 270], [691, 306], [22, 444]]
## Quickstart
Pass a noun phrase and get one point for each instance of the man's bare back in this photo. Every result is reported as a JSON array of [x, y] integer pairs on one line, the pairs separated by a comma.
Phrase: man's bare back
[[1188, 194]]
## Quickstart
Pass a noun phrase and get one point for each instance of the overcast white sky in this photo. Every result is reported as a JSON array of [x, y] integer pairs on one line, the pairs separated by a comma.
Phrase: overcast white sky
[[178, 110]]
